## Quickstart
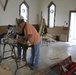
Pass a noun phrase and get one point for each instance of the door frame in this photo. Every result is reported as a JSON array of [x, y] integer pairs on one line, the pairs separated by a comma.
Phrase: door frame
[[69, 22]]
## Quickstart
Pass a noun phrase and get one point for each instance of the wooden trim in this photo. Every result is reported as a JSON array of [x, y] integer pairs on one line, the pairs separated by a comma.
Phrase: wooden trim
[[5, 4]]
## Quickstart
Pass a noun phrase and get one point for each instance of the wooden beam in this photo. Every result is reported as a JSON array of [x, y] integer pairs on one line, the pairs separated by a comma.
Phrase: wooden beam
[[5, 4]]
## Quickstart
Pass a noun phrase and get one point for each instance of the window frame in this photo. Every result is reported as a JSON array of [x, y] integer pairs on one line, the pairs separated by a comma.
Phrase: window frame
[[24, 2], [49, 14]]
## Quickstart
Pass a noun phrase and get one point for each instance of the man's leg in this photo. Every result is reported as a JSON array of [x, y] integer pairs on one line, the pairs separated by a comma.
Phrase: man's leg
[[30, 63], [24, 51], [32, 55], [19, 50], [37, 54]]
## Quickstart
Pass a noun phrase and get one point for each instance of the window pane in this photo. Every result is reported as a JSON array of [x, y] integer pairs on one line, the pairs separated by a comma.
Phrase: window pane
[[51, 16], [24, 11]]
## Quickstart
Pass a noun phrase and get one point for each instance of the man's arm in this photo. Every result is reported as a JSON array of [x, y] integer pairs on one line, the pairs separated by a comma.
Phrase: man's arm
[[21, 40], [27, 36]]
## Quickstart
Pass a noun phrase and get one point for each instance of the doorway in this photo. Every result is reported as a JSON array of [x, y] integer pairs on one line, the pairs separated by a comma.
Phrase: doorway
[[72, 27]]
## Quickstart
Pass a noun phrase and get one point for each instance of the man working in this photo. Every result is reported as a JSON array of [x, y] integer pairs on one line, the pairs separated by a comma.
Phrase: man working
[[34, 38], [21, 45]]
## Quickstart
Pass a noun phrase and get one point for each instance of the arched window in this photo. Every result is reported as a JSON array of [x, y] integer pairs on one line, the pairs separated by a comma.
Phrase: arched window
[[24, 11], [51, 15]]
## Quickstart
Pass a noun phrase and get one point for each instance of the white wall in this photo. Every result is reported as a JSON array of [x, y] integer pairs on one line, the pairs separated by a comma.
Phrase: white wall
[[12, 11], [35, 7], [62, 10]]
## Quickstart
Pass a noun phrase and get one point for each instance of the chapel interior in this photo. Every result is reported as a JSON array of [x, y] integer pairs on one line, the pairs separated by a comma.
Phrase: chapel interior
[[55, 21]]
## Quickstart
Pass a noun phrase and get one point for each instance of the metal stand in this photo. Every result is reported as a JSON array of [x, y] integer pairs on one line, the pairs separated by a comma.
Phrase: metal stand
[[12, 46]]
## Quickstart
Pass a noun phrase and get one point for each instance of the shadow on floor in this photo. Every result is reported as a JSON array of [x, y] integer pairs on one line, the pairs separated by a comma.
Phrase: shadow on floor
[[51, 70]]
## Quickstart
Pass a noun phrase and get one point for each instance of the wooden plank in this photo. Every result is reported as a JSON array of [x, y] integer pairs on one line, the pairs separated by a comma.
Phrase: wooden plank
[[5, 4]]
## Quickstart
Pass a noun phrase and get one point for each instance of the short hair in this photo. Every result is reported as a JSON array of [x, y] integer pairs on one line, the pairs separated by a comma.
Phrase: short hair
[[20, 21]]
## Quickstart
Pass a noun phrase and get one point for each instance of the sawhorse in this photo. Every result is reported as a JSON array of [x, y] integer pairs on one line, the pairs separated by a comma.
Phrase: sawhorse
[[12, 46]]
